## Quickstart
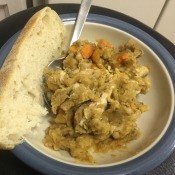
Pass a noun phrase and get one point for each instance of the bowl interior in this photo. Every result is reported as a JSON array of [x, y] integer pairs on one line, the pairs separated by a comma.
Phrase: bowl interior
[[153, 123]]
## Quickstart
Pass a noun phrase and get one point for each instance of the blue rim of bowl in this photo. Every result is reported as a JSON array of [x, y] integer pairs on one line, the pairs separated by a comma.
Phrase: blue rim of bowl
[[141, 164]]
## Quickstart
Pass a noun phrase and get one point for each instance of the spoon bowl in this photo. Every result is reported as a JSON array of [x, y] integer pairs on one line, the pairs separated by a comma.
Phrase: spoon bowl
[[57, 63]]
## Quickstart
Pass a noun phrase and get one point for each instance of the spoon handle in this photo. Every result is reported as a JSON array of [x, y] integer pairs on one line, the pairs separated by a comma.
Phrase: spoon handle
[[82, 15]]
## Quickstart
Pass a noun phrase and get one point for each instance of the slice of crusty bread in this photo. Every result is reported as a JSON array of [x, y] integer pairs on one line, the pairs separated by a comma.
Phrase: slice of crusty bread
[[21, 95]]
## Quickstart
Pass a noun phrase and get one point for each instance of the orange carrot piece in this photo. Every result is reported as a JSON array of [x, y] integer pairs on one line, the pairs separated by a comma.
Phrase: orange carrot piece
[[103, 43], [87, 50], [73, 48], [96, 55], [123, 57]]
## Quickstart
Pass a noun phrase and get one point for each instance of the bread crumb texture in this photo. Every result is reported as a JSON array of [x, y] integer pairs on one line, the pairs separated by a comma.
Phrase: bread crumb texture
[[21, 95]]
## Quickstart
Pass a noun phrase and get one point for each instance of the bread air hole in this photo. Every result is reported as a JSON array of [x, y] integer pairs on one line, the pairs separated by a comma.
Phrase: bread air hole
[[31, 94], [39, 33]]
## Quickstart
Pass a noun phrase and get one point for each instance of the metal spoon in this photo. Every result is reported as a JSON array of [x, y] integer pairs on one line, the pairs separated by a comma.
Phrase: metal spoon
[[82, 15]]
